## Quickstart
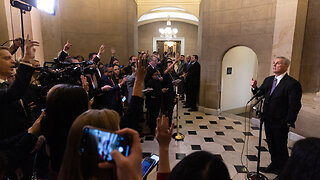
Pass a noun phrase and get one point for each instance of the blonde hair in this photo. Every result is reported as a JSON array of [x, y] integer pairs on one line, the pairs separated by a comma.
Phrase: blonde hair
[[72, 165]]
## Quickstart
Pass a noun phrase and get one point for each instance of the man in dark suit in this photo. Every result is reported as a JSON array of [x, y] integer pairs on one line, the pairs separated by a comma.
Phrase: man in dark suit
[[13, 117], [192, 77], [281, 106], [112, 98]]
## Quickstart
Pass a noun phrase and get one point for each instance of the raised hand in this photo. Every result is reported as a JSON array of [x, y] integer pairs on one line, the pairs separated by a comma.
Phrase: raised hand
[[141, 70], [67, 46], [113, 51], [253, 83], [29, 50], [101, 50], [163, 133], [163, 136], [84, 83]]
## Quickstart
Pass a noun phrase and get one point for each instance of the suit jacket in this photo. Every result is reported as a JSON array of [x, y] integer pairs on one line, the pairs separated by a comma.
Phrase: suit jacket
[[283, 105], [193, 76], [112, 98], [13, 119]]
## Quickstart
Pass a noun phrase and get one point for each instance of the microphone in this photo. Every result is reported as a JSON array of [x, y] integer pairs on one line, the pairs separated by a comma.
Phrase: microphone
[[256, 95], [260, 99]]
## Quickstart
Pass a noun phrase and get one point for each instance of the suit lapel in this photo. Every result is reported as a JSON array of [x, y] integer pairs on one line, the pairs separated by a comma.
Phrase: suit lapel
[[280, 85]]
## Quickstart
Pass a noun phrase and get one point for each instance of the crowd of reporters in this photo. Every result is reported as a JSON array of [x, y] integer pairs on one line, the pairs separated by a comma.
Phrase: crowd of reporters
[[42, 121]]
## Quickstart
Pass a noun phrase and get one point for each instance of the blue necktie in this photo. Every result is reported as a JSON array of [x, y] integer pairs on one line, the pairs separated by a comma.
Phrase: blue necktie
[[274, 84]]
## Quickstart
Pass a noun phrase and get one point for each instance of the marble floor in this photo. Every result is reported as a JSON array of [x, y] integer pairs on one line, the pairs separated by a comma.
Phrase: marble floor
[[224, 135]]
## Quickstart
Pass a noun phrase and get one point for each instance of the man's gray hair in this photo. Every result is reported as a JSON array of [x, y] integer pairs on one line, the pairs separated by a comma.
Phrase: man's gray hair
[[286, 61], [150, 58]]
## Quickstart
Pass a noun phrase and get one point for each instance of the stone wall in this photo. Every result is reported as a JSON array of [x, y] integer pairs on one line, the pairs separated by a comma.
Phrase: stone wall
[[188, 31], [88, 24], [228, 23], [310, 62]]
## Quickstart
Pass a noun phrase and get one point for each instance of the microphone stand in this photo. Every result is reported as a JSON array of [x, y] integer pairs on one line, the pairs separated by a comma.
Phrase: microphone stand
[[257, 175]]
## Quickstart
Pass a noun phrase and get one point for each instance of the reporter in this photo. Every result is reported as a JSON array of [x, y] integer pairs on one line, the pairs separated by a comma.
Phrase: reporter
[[64, 103], [13, 119], [74, 165]]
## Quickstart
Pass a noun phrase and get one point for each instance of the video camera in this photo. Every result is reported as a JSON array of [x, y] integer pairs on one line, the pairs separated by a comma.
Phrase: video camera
[[53, 73]]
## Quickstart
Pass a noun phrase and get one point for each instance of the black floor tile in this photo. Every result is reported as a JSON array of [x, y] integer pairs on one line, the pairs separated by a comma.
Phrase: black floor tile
[[263, 168], [203, 127], [195, 147], [228, 148], [241, 169], [236, 122], [252, 157], [192, 132], [199, 117], [262, 148], [218, 156], [213, 122], [228, 127], [247, 133], [146, 154], [208, 139], [255, 128], [189, 122], [180, 156], [186, 113], [219, 133], [238, 140], [149, 138], [222, 118]]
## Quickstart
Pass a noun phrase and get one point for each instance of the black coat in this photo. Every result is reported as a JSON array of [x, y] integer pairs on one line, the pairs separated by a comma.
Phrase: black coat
[[193, 76], [13, 119], [283, 105]]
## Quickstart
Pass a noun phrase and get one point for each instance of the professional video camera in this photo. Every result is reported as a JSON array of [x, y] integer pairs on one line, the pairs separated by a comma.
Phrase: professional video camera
[[67, 73]]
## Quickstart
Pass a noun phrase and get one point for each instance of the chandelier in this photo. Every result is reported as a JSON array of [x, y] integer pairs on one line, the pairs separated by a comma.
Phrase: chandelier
[[168, 32]]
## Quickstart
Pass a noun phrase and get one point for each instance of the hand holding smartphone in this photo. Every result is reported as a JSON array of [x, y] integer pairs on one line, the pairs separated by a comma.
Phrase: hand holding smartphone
[[148, 164], [100, 143]]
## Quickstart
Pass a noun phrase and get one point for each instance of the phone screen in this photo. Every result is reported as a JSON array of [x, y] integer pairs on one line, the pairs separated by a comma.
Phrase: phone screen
[[156, 159], [146, 166], [96, 142], [124, 99]]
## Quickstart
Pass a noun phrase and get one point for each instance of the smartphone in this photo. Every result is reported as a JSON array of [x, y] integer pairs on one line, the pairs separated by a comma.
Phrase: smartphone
[[156, 158], [100, 143], [124, 99], [147, 166]]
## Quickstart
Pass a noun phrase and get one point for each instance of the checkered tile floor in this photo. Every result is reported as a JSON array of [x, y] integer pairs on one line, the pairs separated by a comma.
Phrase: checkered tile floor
[[224, 135]]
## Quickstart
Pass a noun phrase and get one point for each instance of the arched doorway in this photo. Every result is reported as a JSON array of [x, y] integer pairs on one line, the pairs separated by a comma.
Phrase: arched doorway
[[239, 66]]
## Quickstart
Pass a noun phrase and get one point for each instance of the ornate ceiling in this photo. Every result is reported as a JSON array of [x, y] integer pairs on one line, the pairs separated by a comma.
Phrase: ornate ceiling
[[158, 10]]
